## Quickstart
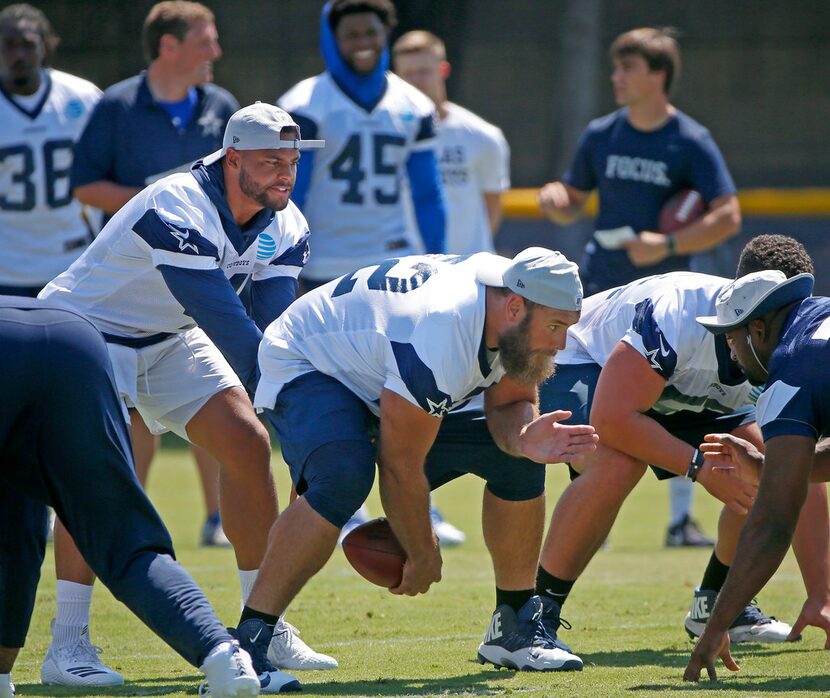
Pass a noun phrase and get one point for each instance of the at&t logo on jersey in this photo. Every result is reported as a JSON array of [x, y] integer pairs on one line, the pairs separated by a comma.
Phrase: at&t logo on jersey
[[265, 246]]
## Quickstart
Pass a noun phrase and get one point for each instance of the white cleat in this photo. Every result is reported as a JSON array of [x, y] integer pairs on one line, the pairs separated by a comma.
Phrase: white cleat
[[229, 673], [77, 665], [288, 651]]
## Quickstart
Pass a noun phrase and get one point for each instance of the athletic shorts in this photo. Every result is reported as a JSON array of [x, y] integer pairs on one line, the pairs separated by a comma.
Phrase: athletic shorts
[[316, 409], [572, 388], [169, 382]]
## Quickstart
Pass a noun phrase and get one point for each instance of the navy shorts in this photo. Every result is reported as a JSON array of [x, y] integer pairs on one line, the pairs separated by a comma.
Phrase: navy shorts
[[572, 388], [315, 410]]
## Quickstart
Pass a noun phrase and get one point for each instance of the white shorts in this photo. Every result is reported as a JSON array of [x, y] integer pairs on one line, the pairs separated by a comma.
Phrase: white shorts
[[169, 382]]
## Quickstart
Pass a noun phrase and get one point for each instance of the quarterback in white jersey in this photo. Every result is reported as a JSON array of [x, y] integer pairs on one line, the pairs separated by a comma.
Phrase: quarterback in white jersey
[[390, 351], [44, 228], [379, 132], [473, 154], [179, 222], [182, 281]]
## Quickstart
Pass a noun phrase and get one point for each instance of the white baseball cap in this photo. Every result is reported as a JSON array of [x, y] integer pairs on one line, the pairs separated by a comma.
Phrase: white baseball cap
[[258, 127], [751, 296], [538, 274]]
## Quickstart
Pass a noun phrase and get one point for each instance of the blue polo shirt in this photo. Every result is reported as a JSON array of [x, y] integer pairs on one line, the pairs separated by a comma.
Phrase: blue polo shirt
[[131, 140], [635, 172]]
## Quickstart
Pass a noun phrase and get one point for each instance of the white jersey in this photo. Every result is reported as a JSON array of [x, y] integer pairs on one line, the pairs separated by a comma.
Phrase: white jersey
[[413, 325], [116, 282], [355, 201], [474, 159], [44, 229], [656, 316]]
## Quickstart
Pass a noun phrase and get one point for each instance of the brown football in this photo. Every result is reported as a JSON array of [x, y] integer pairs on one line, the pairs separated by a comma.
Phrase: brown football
[[375, 553], [680, 210]]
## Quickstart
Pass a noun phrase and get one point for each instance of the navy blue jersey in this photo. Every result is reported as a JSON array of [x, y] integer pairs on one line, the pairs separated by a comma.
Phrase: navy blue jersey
[[796, 400], [132, 141], [635, 173]]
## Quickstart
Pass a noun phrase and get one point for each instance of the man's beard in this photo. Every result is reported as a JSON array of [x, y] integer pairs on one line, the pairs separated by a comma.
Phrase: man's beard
[[258, 194], [523, 365]]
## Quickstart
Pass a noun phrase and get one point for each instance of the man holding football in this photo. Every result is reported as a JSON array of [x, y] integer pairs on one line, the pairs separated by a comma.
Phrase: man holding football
[[637, 158]]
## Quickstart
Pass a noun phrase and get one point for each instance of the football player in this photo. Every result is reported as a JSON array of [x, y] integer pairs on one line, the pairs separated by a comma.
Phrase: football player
[[778, 335], [65, 443], [391, 351], [182, 280], [473, 155], [43, 112], [380, 133]]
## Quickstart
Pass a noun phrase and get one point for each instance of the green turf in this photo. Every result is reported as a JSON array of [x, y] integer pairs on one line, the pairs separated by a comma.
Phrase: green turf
[[626, 611]]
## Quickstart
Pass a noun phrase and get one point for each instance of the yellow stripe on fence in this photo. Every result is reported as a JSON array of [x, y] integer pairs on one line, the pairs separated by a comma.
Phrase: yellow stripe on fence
[[785, 203]]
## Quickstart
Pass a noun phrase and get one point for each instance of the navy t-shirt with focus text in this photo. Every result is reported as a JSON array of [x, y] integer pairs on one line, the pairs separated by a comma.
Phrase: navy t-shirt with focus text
[[635, 172]]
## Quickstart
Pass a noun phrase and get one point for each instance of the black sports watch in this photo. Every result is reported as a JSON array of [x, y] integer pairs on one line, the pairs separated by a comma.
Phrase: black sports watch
[[695, 465]]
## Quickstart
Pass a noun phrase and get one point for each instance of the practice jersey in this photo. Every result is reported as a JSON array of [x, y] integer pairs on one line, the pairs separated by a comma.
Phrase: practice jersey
[[635, 172], [180, 222], [44, 229], [796, 400], [474, 159], [413, 325], [656, 316], [355, 201]]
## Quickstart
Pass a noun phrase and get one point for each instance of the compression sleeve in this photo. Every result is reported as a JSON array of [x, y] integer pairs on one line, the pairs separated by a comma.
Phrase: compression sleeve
[[207, 297], [428, 199]]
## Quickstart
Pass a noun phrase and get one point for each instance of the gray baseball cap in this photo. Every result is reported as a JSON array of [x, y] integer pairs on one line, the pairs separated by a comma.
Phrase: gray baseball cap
[[258, 127], [749, 297], [540, 275]]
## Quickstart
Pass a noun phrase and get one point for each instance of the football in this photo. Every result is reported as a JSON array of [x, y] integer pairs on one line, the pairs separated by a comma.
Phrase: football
[[375, 553], [681, 209]]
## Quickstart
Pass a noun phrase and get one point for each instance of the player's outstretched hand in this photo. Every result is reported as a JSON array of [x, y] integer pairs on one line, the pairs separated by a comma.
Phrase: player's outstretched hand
[[544, 440], [706, 653], [419, 575], [728, 486], [732, 452], [814, 612]]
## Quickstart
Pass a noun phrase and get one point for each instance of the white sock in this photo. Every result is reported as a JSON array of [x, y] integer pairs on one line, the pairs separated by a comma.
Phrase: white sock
[[73, 603], [681, 492], [246, 581]]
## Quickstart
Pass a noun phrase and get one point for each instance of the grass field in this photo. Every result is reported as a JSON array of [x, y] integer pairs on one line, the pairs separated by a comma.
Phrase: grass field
[[626, 611]]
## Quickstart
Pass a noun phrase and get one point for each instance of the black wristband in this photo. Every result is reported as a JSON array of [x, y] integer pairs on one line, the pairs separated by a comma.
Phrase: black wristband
[[695, 465]]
